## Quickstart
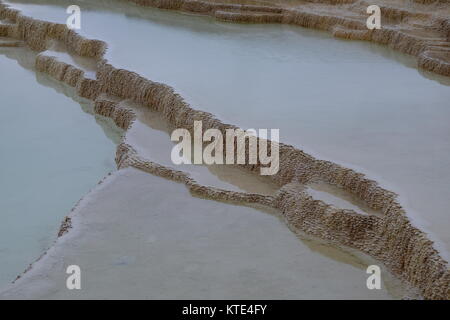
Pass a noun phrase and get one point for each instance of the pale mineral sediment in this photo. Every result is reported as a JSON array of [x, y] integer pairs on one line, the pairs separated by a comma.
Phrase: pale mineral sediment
[[389, 238]]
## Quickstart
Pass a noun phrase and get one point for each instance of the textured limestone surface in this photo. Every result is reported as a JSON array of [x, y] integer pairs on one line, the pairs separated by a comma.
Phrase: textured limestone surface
[[389, 237], [417, 27], [214, 250], [319, 86]]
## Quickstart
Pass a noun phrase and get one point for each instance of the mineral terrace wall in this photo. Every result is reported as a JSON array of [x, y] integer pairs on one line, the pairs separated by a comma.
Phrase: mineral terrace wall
[[389, 238]]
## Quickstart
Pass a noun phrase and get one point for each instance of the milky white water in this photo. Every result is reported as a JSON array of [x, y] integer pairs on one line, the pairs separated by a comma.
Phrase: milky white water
[[52, 153]]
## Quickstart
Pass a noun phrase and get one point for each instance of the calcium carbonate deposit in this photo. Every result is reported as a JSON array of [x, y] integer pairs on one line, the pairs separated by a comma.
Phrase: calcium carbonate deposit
[[363, 107]]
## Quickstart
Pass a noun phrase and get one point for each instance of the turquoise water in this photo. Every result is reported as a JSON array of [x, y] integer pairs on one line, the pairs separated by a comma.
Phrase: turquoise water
[[52, 153], [356, 103]]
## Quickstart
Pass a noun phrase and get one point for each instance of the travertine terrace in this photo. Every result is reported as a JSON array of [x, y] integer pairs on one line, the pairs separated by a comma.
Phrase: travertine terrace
[[389, 238], [420, 28]]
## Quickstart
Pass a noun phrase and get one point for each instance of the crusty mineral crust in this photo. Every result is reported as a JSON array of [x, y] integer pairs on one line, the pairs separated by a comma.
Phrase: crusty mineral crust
[[389, 238]]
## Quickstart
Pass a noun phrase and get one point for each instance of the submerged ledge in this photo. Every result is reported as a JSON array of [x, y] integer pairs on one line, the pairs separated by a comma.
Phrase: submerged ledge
[[389, 238]]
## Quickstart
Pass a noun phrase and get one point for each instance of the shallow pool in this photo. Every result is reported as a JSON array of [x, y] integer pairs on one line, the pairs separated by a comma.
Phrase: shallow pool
[[52, 153], [355, 103]]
